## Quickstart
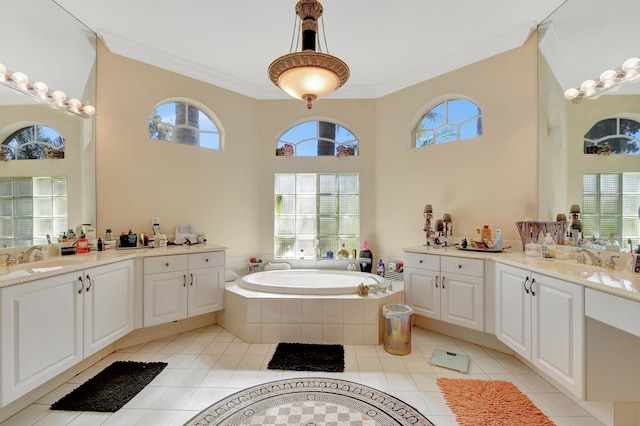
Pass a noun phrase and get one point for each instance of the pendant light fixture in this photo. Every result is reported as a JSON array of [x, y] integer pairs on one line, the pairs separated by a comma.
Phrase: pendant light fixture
[[309, 74]]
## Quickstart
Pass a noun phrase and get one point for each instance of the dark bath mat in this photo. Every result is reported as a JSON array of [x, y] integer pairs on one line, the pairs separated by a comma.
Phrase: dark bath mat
[[307, 357], [112, 388]]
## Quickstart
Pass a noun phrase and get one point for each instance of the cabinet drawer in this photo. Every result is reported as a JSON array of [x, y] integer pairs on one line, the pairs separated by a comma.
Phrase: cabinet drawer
[[460, 265], [159, 264], [204, 260], [421, 261]]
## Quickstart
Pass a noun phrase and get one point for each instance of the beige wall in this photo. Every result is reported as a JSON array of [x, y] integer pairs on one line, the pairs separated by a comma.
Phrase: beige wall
[[228, 194], [487, 180]]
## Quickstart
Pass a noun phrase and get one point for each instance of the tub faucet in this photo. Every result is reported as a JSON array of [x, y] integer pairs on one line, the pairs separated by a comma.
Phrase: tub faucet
[[24, 257], [380, 285], [595, 259], [11, 260]]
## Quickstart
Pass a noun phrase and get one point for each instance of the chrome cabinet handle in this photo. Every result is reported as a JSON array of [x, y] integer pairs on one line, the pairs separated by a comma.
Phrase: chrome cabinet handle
[[420, 261], [459, 266], [184, 280], [443, 282], [191, 279], [206, 259], [437, 281], [88, 285], [524, 284], [81, 285], [166, 264]]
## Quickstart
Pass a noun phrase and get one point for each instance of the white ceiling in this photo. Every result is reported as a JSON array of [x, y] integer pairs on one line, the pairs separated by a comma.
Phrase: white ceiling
[[387, 45]]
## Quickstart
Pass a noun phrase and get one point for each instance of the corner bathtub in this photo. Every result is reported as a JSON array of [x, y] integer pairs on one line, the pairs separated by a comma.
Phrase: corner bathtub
[[307, 306], [308, 281]]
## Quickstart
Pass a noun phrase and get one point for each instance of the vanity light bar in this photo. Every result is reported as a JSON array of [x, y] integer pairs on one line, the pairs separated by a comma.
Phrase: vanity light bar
[[608, 80], [19, 80]]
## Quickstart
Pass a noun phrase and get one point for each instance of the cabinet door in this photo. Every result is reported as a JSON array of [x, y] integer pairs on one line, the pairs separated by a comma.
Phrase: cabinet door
[[206, 290], [165, 297], [513, 308], [422, 291], [108, 305], [558, 330], [462, 300], [41, 332]]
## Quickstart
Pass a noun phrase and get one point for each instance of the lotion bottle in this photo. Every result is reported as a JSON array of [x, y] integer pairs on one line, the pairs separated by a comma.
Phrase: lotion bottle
[[548, 247]]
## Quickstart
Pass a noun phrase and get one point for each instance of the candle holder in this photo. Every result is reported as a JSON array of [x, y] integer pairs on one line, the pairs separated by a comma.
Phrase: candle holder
[[448, 227], [428, 215]]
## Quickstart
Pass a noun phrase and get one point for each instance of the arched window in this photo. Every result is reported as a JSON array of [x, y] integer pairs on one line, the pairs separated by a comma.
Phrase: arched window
[[185, 123], [317, 138], [615, 135], [36, 142], [449, 121]]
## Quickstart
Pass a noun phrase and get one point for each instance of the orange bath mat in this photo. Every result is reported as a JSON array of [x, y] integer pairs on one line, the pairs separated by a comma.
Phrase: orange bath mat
[[490, 403]]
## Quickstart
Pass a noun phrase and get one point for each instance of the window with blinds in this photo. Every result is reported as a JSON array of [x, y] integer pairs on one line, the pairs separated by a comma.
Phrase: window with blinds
[[610, 206], [315, 213]]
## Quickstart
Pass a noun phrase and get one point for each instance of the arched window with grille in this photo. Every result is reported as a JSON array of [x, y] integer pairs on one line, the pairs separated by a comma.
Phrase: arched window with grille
[[615, 135], [317, 138], [34, 142], [451, 120], [185, 122]]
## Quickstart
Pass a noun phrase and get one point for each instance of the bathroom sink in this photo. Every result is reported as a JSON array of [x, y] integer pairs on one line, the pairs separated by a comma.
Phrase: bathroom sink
[[61, 261]]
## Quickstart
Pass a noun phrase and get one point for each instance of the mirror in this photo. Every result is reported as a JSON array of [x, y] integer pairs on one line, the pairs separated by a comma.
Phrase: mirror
[[579, 41], [47, 44]]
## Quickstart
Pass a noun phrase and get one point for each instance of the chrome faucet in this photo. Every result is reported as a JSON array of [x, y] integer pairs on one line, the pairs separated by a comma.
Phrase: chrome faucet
[[595, 259], [24, 257], [380, 285], [11, 260]]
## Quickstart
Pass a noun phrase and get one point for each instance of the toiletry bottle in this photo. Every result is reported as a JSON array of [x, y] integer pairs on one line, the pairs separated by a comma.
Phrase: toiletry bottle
[[498, 239], [99, 244], [636, 261], [343, 253], [82, 245], [380, 268], [548, 247], [485, 233], [365, 257]]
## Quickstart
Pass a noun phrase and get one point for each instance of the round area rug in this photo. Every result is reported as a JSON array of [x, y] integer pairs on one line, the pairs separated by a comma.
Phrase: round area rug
[[310, 401]]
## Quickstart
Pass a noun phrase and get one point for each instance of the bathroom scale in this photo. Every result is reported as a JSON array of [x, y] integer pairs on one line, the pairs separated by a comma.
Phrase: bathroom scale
[[450, 360]]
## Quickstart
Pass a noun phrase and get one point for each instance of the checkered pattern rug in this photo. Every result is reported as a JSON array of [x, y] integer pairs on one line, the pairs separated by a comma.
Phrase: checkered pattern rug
[[310, 401]]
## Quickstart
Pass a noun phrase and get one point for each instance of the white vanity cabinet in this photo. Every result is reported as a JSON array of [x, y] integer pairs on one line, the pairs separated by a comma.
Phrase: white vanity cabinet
[[446, 288], [51, 324], [181, 286], [542, 319]]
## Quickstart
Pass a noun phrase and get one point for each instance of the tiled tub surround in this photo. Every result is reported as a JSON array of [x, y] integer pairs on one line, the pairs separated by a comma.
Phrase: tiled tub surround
[[257, 317]]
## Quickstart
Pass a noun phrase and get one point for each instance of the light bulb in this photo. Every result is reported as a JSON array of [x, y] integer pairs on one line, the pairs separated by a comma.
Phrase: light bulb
[[20, 79], [3, 72], [74, 104], [40, 88], [58, 96], [571, 93], [89, 110], [588, 85], [631, 64], [608, 75]]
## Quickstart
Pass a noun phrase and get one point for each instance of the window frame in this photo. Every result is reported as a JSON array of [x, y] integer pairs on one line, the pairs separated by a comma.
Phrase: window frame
[[297, 241], [446, 124], [190, 103], [290, 148]]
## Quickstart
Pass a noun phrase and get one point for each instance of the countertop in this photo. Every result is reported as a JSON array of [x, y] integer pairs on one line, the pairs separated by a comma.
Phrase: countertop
[[619, 282], [58, 265]]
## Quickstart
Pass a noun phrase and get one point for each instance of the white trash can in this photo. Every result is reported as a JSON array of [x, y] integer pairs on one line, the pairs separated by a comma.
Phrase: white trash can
[[397, 328]]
